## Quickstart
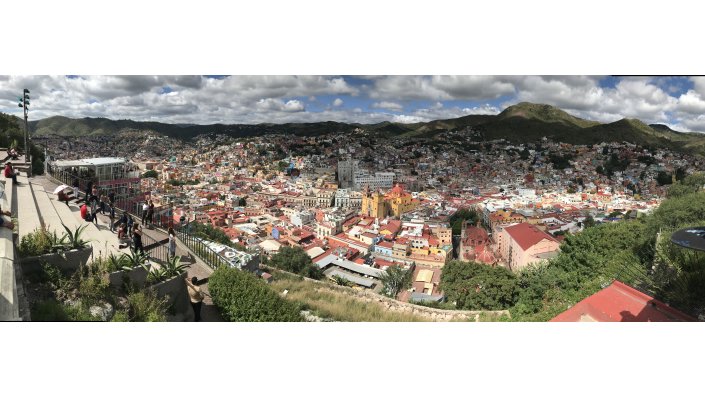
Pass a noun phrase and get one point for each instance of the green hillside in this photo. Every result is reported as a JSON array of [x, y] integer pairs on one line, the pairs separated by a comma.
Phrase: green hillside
[[544, 113], [523, 122]]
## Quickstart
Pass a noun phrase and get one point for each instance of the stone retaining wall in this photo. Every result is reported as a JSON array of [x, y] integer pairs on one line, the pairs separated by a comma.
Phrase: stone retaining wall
[[68, 263]]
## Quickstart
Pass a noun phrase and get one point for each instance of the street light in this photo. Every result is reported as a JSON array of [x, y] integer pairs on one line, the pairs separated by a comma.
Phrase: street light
[[24, 103]]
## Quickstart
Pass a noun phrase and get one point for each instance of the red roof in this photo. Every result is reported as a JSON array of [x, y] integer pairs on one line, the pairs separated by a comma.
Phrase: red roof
[[386, 244], [620, 302], [474, 234], [527, 235]]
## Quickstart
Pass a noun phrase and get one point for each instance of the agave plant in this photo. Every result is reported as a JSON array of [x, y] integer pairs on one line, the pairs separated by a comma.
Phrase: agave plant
[[75, 240], [134, 259], [58, 244], [115, 263], [157, 275], [173, 267]]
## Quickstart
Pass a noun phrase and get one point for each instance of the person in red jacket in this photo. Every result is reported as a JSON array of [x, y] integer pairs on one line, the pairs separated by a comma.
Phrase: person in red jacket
[[84, 211], [10, 173]]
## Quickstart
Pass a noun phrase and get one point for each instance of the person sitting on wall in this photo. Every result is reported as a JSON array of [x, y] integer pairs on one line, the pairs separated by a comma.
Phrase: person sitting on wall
[[11, 173], [3, 223], [64, 197]]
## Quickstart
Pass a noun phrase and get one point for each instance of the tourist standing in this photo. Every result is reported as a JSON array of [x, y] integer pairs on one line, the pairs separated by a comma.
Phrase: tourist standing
[[137, 239], [130, 223], [150, 213], [112, 218], [103, 202], [89, 188], [195, 295], [94, 208], [75, 188], [111, 198], [172, 243], [145, 208]]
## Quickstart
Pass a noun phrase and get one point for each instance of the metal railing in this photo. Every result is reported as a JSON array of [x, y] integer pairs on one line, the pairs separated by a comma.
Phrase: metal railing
[[196, 244], [157, 249]]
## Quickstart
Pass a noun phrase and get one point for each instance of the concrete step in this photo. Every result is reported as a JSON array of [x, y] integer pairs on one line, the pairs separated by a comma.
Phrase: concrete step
[[103, 241], [47, 213], [27, 214]]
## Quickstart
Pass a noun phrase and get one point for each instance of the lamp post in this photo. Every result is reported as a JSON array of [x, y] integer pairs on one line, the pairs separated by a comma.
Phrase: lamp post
[[24, 103]]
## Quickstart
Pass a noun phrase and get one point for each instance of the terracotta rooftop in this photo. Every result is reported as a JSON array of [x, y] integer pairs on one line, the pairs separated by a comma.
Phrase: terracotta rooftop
[[620, 302], [527, 235]]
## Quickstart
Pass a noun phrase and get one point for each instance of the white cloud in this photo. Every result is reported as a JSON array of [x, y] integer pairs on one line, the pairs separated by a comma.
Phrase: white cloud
[[691, 102], [440, 87], [403, 118], [294, 106], [252, 99], [273, 104], [393, 106]]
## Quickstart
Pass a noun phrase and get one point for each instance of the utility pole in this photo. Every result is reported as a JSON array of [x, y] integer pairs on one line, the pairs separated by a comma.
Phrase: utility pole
[[24, 103]]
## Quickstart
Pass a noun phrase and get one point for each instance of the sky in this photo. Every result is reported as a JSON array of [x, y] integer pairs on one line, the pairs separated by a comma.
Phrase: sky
[[678, 102]]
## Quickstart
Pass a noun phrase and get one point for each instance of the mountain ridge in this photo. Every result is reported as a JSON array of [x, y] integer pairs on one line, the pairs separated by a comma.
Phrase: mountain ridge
[[522, 123]]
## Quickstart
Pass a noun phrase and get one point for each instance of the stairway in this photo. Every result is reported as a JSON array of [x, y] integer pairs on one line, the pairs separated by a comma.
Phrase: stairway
[[54, 213]]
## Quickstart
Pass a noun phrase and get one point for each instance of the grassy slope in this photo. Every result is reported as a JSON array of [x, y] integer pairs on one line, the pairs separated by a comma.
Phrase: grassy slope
[[327, 302]]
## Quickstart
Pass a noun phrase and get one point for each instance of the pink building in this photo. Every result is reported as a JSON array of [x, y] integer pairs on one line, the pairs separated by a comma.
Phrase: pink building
[[526, 244]]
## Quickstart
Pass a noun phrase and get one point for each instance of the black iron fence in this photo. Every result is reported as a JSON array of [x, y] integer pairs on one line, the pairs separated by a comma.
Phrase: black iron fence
[[161, 219], [200, 248]]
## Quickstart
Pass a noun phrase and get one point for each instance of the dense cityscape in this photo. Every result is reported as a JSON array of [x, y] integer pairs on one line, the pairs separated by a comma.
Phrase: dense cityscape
[[525, 214], [358, 205]]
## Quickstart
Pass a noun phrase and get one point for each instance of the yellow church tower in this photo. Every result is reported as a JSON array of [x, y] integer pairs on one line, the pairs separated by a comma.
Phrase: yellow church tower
[[373, 204]]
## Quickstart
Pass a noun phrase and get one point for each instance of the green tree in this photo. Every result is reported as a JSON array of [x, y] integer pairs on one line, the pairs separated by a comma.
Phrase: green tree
[[150, 174], [206, 231], [296, 260], [680, 174], [690, 184], [474, 286], [664, 178], [242, 202], [589, 221], [463, 214], [240, 296], [395, 280]]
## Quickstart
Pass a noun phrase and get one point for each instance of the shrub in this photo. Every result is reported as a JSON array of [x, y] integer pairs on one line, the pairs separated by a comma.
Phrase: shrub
[[296, 260], [145, 305], [36, 243], [51, 310], [240, 296]]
